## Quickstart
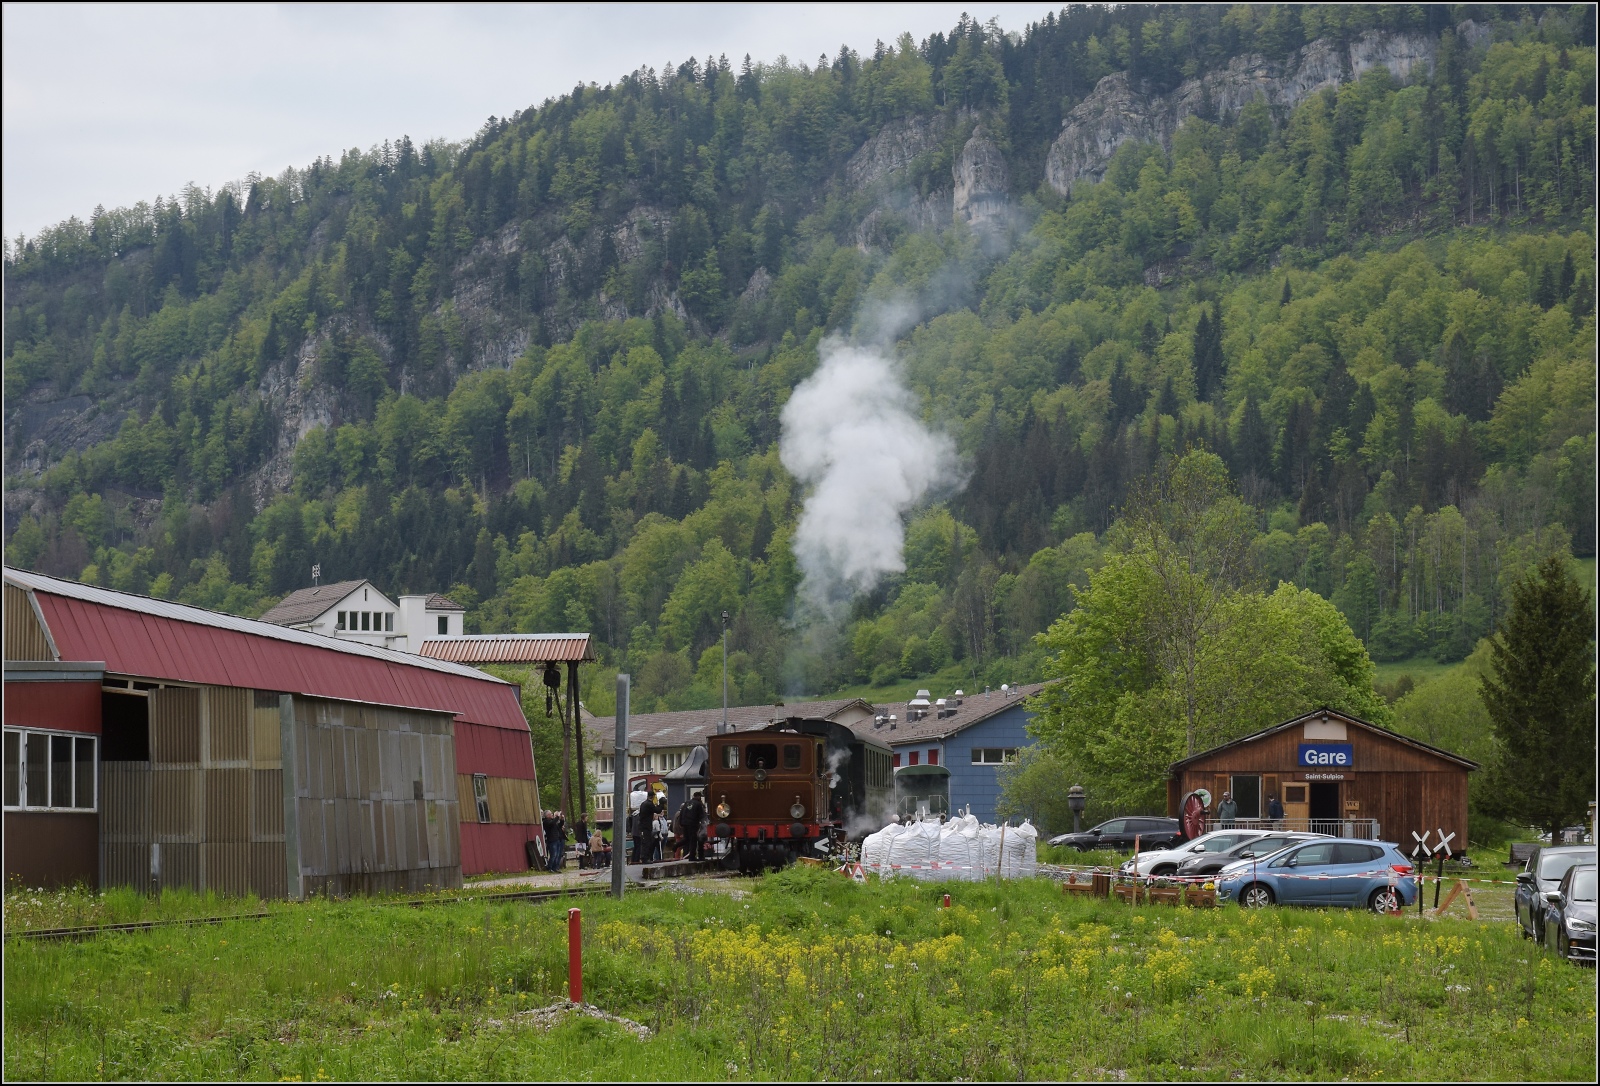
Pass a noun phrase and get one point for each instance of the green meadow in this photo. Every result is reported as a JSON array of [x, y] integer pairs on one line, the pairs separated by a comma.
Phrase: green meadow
[[800, 975]]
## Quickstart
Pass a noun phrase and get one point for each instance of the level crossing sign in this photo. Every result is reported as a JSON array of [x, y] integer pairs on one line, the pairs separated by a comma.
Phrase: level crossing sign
[[1422, 850]]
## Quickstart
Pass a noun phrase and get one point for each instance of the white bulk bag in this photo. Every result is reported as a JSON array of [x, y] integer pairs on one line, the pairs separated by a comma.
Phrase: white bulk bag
[[960, 859], [914, 850], [1021, 853], [875, 848]]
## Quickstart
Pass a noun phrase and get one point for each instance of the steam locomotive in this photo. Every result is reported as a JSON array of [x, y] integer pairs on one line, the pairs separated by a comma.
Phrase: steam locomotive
[[774, 793]]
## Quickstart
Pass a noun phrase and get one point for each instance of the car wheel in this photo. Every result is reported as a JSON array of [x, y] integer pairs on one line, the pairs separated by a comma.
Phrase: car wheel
[[1164, 869], [1385, 899], [1255, 896]]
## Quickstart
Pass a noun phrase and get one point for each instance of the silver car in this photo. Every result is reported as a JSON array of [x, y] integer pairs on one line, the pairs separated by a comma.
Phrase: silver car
[[1165, 861]]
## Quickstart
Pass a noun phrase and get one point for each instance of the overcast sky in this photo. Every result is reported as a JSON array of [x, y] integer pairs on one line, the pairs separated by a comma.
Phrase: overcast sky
[[111, 105]]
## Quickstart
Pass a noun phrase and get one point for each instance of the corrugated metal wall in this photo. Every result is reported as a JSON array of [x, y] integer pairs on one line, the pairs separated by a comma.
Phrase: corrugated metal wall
[[211, 796], [24, 637], [376, 806], [375, 797], [511, 800]]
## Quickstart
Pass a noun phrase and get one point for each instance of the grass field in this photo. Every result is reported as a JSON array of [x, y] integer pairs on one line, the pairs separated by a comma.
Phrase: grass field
[[1422, 669], [802, 975]]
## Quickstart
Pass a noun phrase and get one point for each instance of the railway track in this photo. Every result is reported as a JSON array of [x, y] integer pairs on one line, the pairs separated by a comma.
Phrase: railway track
[[90, 930]]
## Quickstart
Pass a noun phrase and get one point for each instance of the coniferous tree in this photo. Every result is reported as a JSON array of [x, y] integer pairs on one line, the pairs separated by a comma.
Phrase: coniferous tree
[[1540, 695], [1208, 363], [1252, 449]]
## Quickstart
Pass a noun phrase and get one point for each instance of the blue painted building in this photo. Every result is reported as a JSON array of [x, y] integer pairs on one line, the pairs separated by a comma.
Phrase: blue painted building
[[948, 752]]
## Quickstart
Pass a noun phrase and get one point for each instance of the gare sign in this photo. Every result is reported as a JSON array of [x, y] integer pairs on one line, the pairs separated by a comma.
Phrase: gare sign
[[1327, 754]]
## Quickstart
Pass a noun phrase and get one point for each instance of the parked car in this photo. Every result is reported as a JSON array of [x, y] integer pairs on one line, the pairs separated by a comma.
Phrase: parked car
[[1571, 835], [1569, 914], [1165, 861], [1374, 874], [1257, 848], [1120, 834], [1542, 875]]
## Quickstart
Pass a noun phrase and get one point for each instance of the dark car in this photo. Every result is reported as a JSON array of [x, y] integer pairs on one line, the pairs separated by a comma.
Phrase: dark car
[[1542, 875], [1257, 848], [1569, 915], [1120, 833]]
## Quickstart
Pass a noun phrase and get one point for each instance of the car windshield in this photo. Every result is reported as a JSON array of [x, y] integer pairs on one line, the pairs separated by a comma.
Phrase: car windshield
[[1258, 846], [1218, 842], [1553, 866], [1583, 885]]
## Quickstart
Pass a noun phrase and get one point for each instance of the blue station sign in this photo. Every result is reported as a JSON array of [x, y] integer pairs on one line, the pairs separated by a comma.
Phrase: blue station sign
[[1327, 755]]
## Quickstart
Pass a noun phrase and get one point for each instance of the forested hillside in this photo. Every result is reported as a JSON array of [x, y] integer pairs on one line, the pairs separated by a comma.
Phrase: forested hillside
[[1349, 249]]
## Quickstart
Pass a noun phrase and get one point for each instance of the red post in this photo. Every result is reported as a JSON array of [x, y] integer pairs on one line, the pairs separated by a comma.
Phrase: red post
[[575, 955], [946, 901]]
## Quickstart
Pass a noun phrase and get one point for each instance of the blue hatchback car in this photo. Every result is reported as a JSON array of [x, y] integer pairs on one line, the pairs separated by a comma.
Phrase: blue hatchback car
[[1352, 874]]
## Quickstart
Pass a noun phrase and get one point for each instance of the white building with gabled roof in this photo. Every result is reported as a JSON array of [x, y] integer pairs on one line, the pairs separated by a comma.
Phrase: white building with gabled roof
[[359, 611]]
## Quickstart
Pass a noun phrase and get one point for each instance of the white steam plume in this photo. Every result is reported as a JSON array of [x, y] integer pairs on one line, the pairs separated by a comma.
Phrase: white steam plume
[[851, 434]]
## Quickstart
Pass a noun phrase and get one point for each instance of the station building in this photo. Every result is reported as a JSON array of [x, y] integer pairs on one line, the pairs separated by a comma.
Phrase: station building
[[1333, 774], [149, 743]]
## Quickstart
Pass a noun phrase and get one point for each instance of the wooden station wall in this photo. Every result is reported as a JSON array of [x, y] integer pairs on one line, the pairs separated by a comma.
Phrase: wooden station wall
[[1404, 787]]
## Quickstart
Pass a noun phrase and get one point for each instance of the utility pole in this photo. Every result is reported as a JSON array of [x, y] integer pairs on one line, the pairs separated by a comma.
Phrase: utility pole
[[577, 739], [619, 792], [724, 726]]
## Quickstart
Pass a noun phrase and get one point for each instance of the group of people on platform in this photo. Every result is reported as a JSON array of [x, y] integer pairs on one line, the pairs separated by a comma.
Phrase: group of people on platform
[[655, 837]]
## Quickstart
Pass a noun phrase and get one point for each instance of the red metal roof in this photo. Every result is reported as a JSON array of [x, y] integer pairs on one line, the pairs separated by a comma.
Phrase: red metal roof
[[140, 636], [511, 649]]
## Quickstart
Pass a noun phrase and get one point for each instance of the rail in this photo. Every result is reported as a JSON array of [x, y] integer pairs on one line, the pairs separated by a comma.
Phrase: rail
[[1361, 829], [87, 931]]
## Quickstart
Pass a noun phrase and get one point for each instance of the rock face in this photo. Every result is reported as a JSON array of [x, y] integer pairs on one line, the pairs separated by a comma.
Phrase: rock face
[[981, 182], [896, 145], [1117, 112]]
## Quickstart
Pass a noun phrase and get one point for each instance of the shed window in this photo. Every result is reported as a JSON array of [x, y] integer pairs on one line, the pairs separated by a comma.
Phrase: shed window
[[480, 792], [49, 770]]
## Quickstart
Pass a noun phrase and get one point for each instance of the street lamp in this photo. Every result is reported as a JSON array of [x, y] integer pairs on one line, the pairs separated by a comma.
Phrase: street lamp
[[1075, 802], [724, 727]]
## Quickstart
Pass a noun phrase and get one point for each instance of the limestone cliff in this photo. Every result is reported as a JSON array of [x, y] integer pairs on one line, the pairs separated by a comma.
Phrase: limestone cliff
[[1119, 112], [981, 182]]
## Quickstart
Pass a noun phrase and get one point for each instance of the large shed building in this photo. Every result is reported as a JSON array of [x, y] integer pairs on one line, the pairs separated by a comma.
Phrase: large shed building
[[1333, 774], [152, 743]]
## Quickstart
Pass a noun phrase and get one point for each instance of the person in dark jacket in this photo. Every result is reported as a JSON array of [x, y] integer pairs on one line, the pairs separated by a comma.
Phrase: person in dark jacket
[[549, 826], [1275, 812], [693, 816], [558, 845], [645, 832]]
